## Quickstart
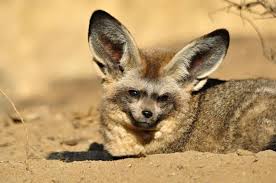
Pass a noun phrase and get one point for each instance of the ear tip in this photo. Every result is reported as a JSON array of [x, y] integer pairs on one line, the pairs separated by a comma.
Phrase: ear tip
[[223, 33], [97, 16], [100, 13]]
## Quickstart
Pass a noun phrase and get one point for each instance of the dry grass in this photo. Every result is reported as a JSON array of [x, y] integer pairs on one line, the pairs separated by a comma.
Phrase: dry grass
[[24, 126]]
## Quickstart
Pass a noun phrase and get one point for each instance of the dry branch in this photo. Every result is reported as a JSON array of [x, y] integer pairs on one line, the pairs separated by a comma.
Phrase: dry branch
[[259, 9]]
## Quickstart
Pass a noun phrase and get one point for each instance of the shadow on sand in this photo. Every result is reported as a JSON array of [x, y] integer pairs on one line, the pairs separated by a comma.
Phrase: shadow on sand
[[96, 152]]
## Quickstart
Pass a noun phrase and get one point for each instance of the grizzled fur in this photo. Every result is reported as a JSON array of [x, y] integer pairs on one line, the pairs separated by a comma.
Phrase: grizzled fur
[[161, 100]]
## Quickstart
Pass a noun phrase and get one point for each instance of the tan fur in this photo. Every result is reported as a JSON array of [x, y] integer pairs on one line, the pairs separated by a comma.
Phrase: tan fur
[[154, 61]]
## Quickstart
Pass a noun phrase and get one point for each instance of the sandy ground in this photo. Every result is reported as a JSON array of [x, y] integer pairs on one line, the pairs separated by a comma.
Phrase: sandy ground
[[65, 119], [178, 167]]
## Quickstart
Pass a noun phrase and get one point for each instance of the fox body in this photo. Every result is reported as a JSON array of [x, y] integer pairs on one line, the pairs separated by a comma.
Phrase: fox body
[[161, 100]]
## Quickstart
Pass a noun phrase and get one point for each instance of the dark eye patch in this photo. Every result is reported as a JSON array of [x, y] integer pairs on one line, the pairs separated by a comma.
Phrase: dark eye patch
[[166, 97], [163, 98]]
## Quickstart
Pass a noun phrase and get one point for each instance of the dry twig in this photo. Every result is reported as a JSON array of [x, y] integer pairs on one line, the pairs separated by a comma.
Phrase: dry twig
[[24, 125], [260, 9]]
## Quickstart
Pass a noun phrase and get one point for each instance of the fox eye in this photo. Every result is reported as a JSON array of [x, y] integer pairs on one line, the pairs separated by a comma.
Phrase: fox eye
[[134, 93], [163, 98]]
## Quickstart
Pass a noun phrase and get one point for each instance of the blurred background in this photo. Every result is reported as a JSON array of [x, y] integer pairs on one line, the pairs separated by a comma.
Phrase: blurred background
[[44, 53]]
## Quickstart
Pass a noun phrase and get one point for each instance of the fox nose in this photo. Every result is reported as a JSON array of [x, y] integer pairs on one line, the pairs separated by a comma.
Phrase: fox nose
[[147, 114]]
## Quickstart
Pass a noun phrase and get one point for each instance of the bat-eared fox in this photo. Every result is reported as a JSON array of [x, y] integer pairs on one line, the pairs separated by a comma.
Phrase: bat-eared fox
[[161, 100]]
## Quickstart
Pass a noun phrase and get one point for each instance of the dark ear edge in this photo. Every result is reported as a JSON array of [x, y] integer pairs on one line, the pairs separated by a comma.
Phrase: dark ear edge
[[100, 65]]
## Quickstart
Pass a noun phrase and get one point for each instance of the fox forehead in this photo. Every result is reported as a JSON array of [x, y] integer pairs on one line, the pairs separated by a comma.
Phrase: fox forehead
[[134, 79], [154, 60], [148, 77]]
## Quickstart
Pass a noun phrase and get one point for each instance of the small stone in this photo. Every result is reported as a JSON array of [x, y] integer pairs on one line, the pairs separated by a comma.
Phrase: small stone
[[70, 142], [5, 144], [172, 174], [179, 167], [52, 138], [241, 152]]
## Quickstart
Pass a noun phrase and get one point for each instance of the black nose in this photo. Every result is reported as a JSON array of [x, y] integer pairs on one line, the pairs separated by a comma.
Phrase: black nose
[[147, 114]]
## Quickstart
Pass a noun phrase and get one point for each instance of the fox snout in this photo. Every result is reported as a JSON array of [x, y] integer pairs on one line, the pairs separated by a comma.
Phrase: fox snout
[[144, 114]]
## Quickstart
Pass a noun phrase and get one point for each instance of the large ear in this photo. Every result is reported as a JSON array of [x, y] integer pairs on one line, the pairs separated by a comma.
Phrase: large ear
[[111, 44], [199, 58]]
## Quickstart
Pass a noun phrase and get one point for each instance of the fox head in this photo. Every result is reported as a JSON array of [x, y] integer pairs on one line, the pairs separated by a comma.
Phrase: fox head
[[148, 86]]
